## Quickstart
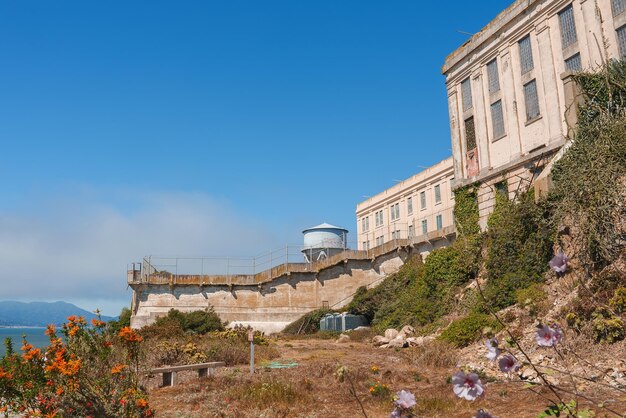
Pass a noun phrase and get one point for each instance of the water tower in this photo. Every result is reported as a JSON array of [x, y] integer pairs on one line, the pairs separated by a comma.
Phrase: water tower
[[323, 241]]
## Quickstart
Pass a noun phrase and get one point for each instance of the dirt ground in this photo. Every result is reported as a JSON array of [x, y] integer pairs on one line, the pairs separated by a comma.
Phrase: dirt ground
[[313, 389]]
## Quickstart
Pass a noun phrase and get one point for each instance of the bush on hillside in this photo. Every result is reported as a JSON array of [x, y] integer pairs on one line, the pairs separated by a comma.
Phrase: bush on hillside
[[519, 247], [308, 323], [177, 322], [589, 190], [465, 331]]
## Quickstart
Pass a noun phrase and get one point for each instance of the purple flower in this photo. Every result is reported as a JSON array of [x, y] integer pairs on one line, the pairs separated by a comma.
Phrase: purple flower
[[483, 414], [405, 399], [559, 263], [508, 364], [549, 336], [467, 386], [493, 351]]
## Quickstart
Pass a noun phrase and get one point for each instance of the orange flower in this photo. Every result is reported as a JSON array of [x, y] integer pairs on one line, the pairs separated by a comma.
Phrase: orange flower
[[50, 330], [33, 353], [97, 323], [50, 415], [141, 403], [72, 318], [118, 369], [27, 347], [129, 335], [72, 329], [4, 374]]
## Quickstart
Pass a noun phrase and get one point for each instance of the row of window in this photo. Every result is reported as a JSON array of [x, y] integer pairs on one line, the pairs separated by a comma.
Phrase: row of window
[[531, 98], [394, 209], [380, 240]]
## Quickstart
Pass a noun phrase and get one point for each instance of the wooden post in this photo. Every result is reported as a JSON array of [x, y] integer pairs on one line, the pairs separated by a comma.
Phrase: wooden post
[[251, 339]]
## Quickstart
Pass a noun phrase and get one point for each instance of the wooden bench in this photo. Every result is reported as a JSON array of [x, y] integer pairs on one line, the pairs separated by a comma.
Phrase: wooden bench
[[169, 372]]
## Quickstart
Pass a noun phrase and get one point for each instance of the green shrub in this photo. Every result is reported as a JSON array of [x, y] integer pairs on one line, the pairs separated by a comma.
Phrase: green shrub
[[607, 328], [618, 301], [532, 298], [588, 179], [465, 331], [196, 322], [518, 248], [122, 321]]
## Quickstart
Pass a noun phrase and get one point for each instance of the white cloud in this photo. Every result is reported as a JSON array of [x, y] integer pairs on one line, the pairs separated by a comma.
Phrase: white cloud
[[75, 248]]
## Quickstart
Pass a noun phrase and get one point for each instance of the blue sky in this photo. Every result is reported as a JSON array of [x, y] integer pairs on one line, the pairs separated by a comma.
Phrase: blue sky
[[134, 128]]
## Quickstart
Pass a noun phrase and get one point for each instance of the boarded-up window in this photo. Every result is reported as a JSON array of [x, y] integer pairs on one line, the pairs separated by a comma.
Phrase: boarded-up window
[[493, 76], [497, 119], [437, 194], [423, 200], [568, 27], [526, 55], [439, 221], [573, 63], [424, 227], [470, 134], [466, 92], [619, 6], [532, 100]]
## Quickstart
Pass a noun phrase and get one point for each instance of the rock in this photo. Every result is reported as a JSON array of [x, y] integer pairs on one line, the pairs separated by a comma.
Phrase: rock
[[407, 331], [398, 343], [383, 346], [391, 333], [361, 328], [379, 340], [343, 338]]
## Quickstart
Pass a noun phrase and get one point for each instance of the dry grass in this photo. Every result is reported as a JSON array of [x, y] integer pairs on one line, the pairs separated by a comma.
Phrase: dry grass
[[312, 389]]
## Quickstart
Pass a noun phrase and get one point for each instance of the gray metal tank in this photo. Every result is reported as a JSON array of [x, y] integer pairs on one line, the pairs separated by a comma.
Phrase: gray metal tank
[[323, 241]]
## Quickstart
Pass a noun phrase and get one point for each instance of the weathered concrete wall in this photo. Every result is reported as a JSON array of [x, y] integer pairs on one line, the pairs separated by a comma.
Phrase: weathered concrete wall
[[272, 305]]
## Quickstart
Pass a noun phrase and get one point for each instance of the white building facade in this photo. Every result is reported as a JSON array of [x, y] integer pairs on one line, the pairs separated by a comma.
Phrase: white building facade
[[419, 209], [510, 92]]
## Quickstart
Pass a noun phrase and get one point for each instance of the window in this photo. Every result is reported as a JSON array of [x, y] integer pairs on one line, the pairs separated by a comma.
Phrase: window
[[568, 27], [525, 55], [437, 194], [409, 206], [619, 6], [466, 92], [366, 245], [364, 226], [423, 200], [470, 134], [367, 223], [380, 240], [411, 232], [378, 218], [573, 63], [497, 119], [532, 100], [439, 220], [493, 76], [451, 192], [395, 234], [502, 189], [394, 211], [424, 227], [621, 40]]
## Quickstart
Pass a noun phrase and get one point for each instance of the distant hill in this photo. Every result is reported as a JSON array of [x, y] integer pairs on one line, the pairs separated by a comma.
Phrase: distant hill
[[40, 314]]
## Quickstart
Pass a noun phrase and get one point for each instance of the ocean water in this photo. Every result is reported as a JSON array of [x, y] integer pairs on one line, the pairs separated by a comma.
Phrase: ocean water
[[35, 336]]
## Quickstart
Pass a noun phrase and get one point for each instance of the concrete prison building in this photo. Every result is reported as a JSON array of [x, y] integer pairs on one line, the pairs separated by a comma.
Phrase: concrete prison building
[[418, 209], [510, 91]]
